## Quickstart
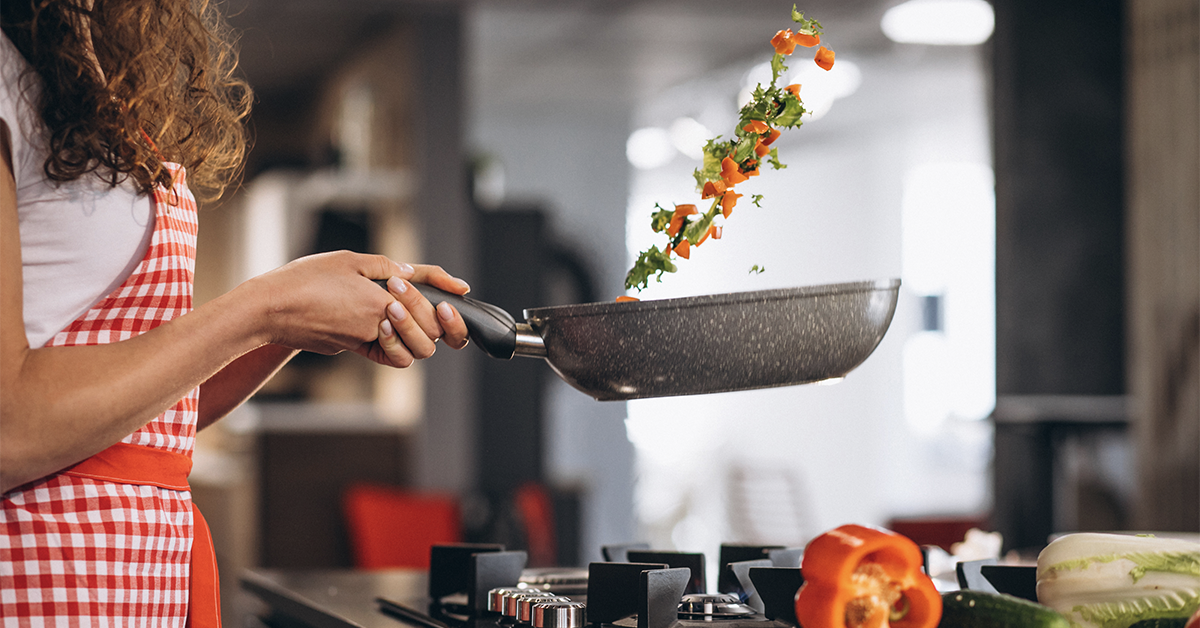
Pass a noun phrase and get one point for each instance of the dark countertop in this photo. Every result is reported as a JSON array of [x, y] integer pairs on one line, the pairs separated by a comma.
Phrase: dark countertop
[[336, 598]]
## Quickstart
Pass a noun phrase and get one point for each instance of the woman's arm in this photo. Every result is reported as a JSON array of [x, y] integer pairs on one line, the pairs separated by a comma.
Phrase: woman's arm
[[238, 381], [61, 405]]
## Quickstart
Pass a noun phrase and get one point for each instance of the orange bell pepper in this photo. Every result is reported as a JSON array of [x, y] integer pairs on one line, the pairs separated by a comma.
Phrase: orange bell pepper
[[624, 298], [731, 173], [860, 577], [782, 41], [824, 58], [727, 203], [684, 250], [794, 88], [771, 137], [756, 126], [808, 41], [713, 189]]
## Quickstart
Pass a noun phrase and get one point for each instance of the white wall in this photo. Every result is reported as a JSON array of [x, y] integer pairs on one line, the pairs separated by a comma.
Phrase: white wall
[[833, 215]]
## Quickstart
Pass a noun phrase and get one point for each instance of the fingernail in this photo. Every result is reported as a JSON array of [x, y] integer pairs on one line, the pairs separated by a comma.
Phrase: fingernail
[[444, 311], [385, 328], [463, 284], [396, 284], [405, 268], [397, 311]]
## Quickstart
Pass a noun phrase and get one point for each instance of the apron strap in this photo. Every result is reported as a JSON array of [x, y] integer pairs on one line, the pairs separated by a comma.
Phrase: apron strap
[[134, 464]]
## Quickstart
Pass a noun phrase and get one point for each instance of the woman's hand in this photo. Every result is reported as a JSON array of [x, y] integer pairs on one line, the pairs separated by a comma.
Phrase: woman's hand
[[330, 303], [413, 325]]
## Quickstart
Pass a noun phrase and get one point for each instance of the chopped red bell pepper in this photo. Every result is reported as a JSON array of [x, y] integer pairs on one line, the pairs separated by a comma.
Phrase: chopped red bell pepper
[[860, 577]]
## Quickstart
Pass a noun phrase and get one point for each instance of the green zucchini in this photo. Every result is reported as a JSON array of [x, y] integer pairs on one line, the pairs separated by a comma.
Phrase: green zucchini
[[979, 609], [1162, 622]]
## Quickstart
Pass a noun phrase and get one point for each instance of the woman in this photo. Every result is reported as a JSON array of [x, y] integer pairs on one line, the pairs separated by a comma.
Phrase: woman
[[106, 370]]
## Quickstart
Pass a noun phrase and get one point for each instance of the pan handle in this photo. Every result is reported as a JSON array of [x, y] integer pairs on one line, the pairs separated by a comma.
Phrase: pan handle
[[493, 329]]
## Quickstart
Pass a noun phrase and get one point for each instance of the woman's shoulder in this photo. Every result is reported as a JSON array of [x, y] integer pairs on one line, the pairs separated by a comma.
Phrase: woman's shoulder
[[18, 89]]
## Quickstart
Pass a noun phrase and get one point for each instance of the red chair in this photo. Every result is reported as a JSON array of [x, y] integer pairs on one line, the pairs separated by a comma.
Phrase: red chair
[[536, 510], [940, 531], [393, 527]]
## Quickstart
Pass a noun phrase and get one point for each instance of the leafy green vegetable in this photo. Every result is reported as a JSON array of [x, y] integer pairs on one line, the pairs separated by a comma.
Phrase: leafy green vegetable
[[1114, 581], [771, 107]]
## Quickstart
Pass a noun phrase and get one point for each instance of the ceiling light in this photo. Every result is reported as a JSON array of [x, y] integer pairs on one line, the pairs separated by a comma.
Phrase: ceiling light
[[940, 22], [649, 148]]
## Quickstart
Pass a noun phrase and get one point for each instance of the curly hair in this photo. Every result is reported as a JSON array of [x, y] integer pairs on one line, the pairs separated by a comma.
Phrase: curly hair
[[164, 89]]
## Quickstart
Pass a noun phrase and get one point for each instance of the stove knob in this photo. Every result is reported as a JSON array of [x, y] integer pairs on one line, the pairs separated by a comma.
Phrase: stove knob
[[525, 604], [558, 615], [495, 603], [510, 599]]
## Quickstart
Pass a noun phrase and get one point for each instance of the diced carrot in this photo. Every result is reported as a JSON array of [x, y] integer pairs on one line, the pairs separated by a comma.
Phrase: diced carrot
[[808, 41], [794, 88], [716, 231], [713, 189], [684, 249], [782, 41], [727, 203], [824, 58], [772, 136], [730, 172], [756, 126], [624, 298]]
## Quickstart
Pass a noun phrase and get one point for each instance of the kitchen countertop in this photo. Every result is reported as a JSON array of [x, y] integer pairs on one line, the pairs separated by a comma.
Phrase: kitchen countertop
[[336, 598]]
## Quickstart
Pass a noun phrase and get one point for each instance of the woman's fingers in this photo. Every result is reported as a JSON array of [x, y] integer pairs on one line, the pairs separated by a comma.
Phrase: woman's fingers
[[409, 331], [416, 305], [438, 278], [453, 325], [394, 351]]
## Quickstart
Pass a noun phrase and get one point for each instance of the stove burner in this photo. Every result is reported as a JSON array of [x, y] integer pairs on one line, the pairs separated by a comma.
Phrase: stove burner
[[525, 605], [558, 614], [714, 606], [495, 598]]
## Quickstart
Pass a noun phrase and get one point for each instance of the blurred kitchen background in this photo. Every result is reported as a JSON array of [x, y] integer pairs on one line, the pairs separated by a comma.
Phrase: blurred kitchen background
[[1029, 168]]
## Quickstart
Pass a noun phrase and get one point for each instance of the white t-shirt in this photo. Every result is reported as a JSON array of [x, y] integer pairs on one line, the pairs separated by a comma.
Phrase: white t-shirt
[[81, 239]]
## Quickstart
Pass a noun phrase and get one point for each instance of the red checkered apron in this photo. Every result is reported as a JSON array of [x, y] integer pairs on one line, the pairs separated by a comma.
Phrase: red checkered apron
[[108, 542]]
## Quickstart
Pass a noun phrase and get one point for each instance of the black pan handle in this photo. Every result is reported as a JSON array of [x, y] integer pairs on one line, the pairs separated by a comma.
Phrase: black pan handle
[[491, 328]]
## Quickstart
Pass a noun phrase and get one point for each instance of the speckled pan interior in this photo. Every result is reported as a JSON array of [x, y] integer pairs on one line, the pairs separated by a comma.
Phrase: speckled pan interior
[[716, 343]]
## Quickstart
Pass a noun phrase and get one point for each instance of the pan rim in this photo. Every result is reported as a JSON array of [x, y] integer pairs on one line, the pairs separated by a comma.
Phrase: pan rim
[[728, 298]]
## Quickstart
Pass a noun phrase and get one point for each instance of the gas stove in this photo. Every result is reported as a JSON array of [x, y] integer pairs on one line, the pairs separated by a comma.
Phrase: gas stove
[[485, 586]]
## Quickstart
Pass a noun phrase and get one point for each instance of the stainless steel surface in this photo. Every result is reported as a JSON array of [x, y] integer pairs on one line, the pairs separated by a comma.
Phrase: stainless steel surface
[[495, 601], [529, 343], [558, 580], [718, 605], [716, 343], [558, 615], [526, 602]]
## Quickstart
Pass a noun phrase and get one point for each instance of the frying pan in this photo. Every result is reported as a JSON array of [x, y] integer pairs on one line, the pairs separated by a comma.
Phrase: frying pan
[[692, 345]]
